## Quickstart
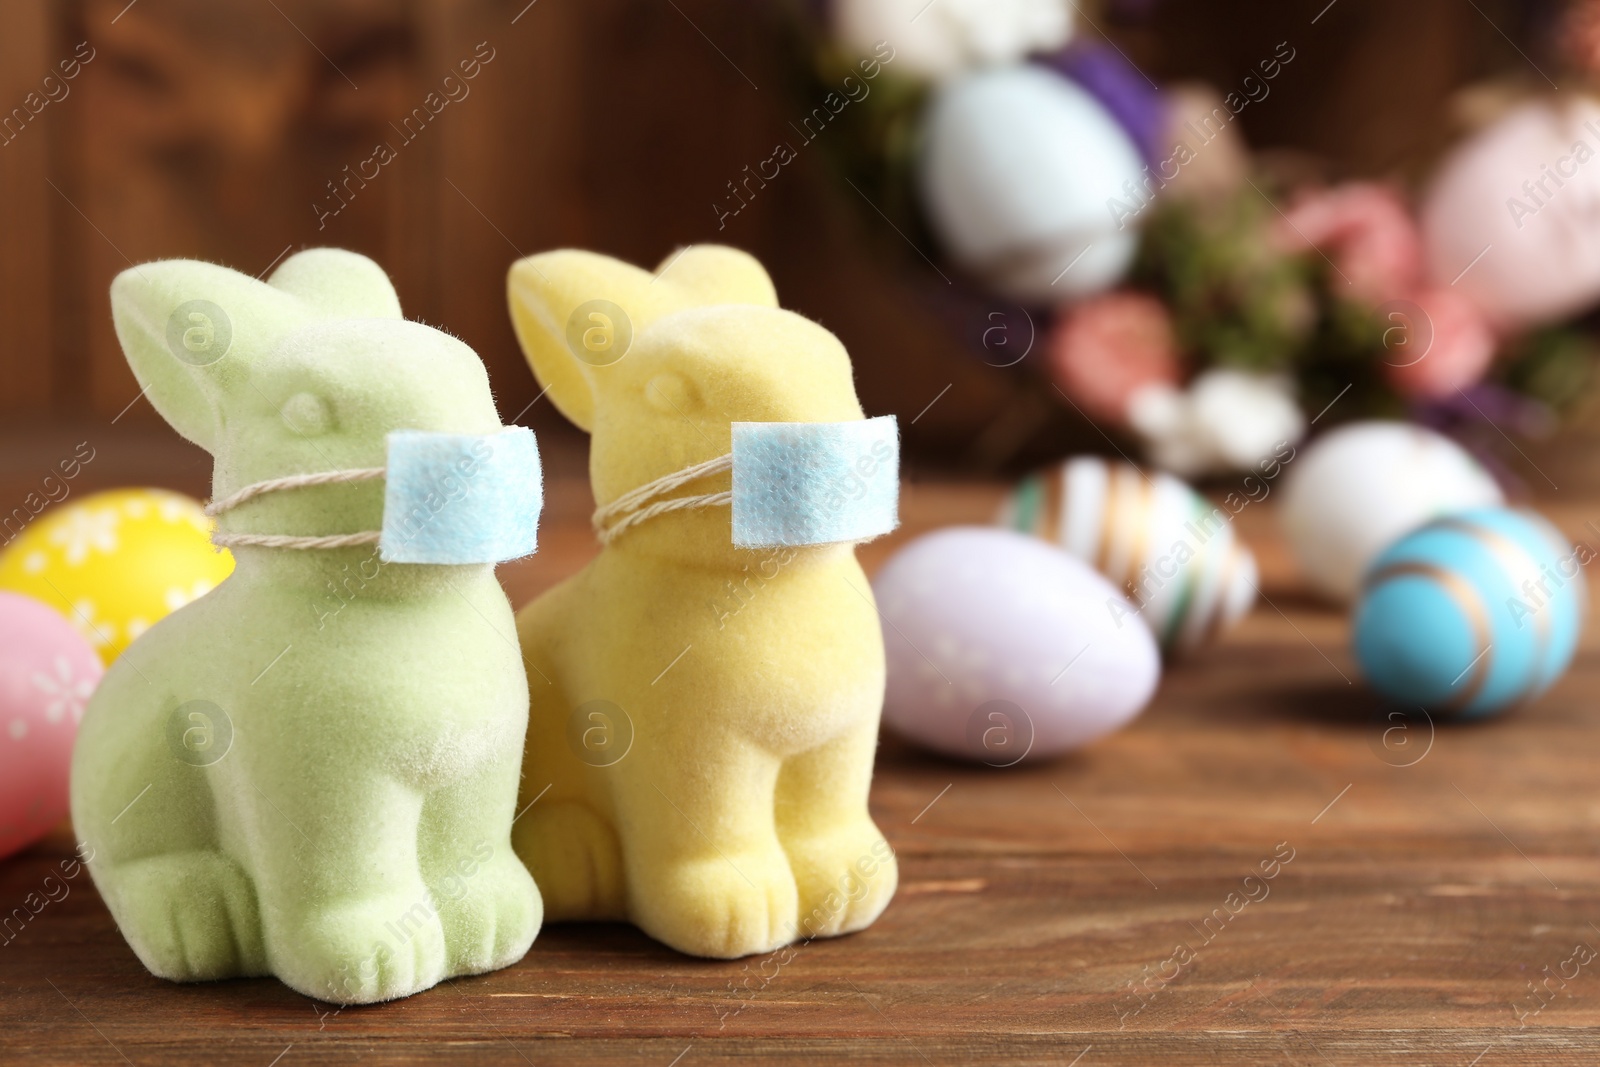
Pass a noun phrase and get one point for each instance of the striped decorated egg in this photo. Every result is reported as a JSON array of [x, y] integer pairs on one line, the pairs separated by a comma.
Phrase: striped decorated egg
[[1169, 549], [1472, 613]]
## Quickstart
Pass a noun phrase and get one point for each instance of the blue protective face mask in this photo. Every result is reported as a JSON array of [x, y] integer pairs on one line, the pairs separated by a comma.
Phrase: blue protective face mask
[[448, 499], [794, 484]]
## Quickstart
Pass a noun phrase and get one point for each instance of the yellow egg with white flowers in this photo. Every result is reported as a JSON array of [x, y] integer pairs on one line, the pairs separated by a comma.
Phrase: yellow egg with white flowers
[[114, 563]]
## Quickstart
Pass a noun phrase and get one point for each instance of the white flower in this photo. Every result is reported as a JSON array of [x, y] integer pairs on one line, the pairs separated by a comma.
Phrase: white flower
[[64, 692], [942, 38], [85, 530], [1227, 420]]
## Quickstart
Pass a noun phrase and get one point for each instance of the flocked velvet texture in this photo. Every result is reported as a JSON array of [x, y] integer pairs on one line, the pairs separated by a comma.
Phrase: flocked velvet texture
[[337, 812], [705, 717]]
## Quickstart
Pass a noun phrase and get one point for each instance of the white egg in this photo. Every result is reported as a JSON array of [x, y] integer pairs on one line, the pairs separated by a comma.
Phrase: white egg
[[1021, 175], [1355, 490], [1002, 648]]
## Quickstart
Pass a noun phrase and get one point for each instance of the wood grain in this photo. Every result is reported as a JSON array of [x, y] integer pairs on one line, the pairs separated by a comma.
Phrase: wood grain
[[1419, 904], [210, 128], [26, 46]]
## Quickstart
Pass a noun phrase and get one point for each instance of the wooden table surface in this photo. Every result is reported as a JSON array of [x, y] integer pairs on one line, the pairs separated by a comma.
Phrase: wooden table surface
[[1434, 878]]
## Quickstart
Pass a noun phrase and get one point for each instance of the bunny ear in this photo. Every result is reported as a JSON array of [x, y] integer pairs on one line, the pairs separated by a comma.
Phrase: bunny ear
[[547, 291], [717, 274], [338, 283], [190, 329]]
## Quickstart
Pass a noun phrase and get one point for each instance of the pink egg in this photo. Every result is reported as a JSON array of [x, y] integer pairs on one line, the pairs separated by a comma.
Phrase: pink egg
[[46, 675], [1510, 222], [1001, 647]]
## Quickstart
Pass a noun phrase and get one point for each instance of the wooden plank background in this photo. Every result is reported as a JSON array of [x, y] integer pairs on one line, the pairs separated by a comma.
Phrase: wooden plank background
[[26, 243], [209, 128]]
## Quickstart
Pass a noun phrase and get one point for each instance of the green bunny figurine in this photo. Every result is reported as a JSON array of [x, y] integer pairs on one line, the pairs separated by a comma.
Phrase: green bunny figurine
[[311, 771]]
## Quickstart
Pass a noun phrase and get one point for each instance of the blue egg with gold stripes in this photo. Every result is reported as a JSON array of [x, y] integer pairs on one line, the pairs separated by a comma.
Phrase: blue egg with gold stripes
[[1472, 613]]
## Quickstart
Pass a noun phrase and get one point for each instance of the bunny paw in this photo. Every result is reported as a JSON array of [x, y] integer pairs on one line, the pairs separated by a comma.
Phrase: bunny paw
[[190, 916], [575, 858], [366, 950], [490, 917], [845, 878], [721, 907]]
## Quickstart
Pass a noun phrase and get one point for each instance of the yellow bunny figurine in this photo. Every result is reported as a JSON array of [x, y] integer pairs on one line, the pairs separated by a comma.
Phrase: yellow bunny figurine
[[704, 715]]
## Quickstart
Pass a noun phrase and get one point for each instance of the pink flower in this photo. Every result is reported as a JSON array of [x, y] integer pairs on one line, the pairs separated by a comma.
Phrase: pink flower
[[1368, 234], [1444, 344], [1581, 39], [1107, 348]]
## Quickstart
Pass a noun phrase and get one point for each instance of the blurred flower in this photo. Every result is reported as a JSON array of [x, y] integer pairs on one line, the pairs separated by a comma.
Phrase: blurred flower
[[948, 37], [1226, 420], [1555, 368], [1455, 350], [1211, 161], [1580, 36], [1111, 346], [1367, 233], [1234, 296]]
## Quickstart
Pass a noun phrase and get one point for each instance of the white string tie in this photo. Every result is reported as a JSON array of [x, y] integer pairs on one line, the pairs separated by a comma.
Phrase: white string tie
[[641, 504], [293, 481]]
